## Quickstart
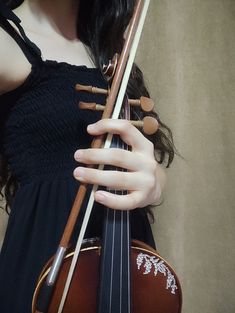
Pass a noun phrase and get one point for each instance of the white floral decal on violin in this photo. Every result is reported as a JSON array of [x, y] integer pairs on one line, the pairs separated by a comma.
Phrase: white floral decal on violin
[[152, 262]]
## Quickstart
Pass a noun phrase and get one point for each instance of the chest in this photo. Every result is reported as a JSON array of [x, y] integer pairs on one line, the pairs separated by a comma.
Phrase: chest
[[61, 49]]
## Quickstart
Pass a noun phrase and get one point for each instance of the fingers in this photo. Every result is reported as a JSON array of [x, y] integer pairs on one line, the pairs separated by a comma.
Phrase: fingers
[[143, 179], [111, 179], [128, 133], [119, 202], [141, 186], [115, 157]]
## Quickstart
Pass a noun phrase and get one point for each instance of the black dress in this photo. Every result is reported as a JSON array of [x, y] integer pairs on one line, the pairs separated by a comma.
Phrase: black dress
[[41, 128]]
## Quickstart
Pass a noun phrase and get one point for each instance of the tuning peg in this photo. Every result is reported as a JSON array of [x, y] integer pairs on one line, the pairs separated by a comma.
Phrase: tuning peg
[[91, 89], [91, 106], [148, 124], [145, 103]]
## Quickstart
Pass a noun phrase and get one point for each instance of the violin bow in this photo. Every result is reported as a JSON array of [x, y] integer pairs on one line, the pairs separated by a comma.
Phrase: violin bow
[[112, 110]]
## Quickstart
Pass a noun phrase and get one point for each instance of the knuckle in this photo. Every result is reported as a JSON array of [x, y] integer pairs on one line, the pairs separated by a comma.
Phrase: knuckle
[[86, 174], [117, 155], [133, 203], [90, 156], [122, 179], [151, 182], [126, 125], [150, 146], [152, 165], [91, 176]]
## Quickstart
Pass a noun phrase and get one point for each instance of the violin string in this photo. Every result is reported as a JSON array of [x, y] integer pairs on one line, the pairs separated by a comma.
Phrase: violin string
[[128, 257], [121, 265], [125, 146], [105, 239], [128, 246], [122, 222], [112, 260], [121, 239], [128, 264]]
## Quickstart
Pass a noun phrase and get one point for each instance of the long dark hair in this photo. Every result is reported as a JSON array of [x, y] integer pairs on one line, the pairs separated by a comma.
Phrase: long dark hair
[[101, 27]]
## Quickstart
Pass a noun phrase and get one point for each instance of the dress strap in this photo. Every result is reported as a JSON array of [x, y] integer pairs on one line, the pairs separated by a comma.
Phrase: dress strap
[[30, 50]]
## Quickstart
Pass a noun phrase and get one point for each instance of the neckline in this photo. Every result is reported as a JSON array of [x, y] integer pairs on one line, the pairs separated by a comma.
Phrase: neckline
[[64, 63], [27, 39], [29, 79]]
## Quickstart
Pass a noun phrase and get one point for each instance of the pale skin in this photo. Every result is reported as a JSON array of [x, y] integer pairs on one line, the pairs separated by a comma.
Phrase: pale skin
[[51, 25]]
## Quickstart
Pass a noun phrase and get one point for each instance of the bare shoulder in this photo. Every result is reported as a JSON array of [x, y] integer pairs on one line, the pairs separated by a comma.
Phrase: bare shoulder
[[14, 67]]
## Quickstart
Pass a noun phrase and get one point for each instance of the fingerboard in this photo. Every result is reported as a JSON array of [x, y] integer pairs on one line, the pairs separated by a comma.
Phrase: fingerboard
[[115, 277], [115, 264]]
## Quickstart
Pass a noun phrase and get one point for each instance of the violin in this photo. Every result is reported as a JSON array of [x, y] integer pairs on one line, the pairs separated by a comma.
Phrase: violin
[[114, 274]]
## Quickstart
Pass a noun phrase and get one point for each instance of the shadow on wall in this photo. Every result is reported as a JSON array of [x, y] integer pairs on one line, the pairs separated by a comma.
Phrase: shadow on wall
[[188, 56], [3, 222]]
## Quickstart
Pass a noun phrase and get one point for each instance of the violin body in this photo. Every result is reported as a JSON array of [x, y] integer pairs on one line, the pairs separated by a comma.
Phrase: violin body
[[155, 287]]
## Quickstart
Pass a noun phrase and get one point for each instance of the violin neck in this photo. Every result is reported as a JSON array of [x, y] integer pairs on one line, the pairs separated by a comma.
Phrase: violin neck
[[115, 277], [115, 263]]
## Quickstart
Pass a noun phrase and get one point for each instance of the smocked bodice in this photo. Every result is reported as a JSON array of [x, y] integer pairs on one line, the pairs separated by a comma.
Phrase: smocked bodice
[[46, 126]]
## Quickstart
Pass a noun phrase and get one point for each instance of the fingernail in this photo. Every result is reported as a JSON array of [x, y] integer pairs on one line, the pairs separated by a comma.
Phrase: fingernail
[[79, 173], [78, 155], [100, 197], [90, 127]]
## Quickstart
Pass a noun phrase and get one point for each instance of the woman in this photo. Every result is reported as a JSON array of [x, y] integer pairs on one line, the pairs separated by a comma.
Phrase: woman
[[45, 136]]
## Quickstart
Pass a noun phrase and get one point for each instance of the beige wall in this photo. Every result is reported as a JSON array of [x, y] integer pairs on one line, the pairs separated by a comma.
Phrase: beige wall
[[188, 55], [190, 66], [3, 221]]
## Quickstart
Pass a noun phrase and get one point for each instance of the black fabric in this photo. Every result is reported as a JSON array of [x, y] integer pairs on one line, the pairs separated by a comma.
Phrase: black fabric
[[12, 3], [42, 126], [7, 13]]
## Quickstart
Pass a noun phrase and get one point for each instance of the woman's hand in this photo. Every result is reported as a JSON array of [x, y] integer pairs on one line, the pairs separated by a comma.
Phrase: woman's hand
[[144, 179]]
